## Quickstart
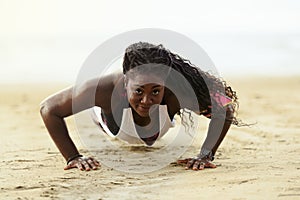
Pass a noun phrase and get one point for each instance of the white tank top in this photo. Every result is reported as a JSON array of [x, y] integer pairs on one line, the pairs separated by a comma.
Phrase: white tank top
[[128, 131]]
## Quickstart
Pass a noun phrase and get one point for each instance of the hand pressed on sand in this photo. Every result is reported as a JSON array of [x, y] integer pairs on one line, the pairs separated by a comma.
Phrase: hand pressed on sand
[[83, 163], [196, 163]]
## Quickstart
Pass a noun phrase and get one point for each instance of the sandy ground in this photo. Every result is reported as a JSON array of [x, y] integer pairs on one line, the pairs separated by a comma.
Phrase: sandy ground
[[258, 162]]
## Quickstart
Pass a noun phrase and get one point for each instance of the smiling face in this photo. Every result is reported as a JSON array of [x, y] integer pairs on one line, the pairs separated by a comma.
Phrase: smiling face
[[144, 91]]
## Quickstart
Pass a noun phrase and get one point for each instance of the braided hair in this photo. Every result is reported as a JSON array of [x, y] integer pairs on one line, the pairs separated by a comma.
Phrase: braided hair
[[203, 83]]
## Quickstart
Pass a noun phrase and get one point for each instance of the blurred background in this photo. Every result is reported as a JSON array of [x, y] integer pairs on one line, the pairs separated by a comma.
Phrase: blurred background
[[48, 41]]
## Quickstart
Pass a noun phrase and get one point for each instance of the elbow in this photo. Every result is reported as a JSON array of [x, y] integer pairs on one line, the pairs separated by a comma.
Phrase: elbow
[[229, 113], [46, 109]]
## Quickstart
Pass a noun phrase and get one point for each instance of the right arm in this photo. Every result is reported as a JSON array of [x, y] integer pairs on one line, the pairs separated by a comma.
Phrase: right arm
[[58, 106]]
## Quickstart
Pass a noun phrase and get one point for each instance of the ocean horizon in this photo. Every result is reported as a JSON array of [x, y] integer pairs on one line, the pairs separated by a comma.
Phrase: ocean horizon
[[59, 58]]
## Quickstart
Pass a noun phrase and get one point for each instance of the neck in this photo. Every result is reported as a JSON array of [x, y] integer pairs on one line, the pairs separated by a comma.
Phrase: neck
[[144, 121], [146, 126], [139, 120]]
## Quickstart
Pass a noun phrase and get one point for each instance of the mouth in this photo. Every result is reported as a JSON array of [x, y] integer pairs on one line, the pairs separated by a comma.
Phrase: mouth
[[144, 109]]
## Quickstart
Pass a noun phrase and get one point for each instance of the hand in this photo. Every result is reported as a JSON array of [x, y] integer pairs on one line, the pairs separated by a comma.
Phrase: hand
[[197, 163], [83, 163]]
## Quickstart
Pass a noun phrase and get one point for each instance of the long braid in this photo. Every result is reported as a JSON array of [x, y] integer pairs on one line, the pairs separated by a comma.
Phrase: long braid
[[199, 80], [202, 82]]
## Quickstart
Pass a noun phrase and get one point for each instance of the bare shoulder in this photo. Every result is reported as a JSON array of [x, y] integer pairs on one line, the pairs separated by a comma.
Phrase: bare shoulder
[[175, 103], [109, 81], [172, 102], [105, 87], [92, 92]]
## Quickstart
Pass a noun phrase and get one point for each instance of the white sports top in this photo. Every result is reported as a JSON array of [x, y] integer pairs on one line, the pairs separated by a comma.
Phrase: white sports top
[[128, 131]]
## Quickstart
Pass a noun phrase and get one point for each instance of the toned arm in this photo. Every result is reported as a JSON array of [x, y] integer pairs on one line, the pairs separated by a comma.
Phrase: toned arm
[[60, 105]]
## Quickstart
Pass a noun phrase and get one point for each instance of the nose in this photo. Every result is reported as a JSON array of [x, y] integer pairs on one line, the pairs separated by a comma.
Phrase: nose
[[146, 99]]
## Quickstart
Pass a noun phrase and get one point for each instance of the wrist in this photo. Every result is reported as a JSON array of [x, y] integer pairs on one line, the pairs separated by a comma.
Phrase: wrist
[[206, 154], [71, 158]]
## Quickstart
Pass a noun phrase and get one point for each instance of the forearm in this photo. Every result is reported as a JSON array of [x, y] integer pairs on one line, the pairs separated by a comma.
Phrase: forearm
[[218, 128], [224, 131], [58, 131]]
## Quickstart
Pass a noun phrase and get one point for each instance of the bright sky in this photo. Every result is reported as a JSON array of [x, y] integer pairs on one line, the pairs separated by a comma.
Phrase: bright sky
[[36, 36], [114, 16]]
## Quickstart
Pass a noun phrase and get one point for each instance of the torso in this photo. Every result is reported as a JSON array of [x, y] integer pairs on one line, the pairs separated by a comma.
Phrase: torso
[[129, 131], [113, 111], [115, 95]]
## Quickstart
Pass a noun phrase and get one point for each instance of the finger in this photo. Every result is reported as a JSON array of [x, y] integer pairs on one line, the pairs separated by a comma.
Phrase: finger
[[189, 164], [92, 164], [210, 165], [196, 165], [184, 161], [69, 166], [79, 166], [202, 165], [86, 165], [95, 161]]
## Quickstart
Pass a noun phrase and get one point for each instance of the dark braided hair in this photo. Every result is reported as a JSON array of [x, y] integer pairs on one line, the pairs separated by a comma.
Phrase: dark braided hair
[[204, 84]]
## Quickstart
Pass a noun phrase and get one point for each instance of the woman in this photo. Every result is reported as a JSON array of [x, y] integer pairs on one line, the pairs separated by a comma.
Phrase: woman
[[147, 89]]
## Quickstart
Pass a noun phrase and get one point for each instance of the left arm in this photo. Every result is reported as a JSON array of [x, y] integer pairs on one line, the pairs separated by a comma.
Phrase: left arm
[[218, 127]]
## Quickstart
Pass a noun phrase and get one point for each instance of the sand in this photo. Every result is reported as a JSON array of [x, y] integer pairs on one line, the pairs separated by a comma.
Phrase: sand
[[257, 162]]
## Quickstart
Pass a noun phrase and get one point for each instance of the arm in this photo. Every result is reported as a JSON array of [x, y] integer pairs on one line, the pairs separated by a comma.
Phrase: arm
[[218, 127], [58, 106]]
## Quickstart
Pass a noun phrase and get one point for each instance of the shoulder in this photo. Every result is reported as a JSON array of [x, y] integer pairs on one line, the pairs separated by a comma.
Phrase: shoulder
[[106, 86], [108, 81], [171, 101]]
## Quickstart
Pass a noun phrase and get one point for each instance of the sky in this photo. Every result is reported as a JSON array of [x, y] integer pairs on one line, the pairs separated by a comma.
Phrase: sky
[[112, 16], [41, 38]]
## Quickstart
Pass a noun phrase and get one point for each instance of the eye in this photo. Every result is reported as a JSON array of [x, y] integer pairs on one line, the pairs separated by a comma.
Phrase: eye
[[155, 92], [138, 91]]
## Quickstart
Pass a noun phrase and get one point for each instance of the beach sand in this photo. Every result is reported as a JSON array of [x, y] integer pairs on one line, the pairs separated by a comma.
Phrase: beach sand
[[257, 162]]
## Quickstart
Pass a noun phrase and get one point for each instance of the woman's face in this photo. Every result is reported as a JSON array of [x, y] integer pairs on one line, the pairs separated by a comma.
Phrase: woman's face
[[144, 91]]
